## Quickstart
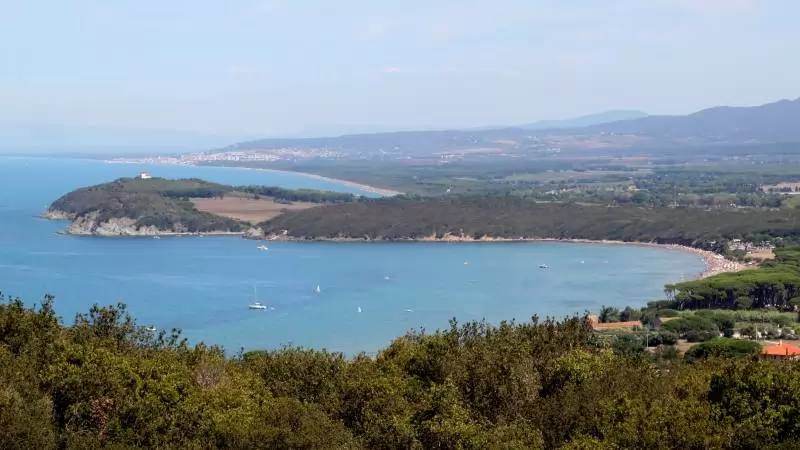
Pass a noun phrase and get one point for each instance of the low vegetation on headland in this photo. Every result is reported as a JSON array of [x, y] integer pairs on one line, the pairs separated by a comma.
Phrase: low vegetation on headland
[[106, 382], [152, 206]]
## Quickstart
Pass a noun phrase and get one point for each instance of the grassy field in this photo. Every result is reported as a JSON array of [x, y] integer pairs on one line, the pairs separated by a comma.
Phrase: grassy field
[[247, 209]]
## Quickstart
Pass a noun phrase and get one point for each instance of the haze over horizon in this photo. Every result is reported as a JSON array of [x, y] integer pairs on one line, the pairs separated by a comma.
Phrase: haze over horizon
[[209, 71]]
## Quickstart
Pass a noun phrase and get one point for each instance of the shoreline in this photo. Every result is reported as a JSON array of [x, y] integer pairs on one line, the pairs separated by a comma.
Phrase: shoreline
[[364, 187], [714, 263], [360, 186]]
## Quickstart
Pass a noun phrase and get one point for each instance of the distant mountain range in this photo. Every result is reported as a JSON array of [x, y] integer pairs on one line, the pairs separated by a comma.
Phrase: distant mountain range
[[777, 122], [585, 121], [772, 122]]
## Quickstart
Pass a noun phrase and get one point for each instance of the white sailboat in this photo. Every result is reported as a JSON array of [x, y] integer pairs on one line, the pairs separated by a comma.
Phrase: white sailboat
[[359, 309], [256, 304], [318, 290]]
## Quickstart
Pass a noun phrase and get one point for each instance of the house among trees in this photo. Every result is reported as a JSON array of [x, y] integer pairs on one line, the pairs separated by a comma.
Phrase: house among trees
[[604, 326], [781, 351]]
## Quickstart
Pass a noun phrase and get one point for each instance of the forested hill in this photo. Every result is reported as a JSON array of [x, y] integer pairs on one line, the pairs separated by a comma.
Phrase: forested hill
[[513, 217], [131, 206]]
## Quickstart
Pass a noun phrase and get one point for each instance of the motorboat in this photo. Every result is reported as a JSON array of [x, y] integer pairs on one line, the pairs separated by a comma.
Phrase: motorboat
[[262, 247], [151, 329], [544, 266]]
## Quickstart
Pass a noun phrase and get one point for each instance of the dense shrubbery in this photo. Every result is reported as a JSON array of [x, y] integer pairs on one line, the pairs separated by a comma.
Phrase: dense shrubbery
[[106, 382], [722, 347], [297, 195]]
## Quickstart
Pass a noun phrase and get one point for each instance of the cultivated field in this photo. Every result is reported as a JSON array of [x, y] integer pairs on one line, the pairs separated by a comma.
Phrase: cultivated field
[[246, 209]]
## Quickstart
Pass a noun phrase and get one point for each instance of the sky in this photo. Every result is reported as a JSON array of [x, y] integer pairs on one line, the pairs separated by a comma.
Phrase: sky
[[279, 67]]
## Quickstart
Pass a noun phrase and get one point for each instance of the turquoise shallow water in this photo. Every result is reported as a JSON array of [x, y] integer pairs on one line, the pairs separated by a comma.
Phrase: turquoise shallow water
[[203, 285]]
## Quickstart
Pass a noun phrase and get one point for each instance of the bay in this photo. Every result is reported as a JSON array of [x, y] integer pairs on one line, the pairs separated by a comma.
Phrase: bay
[[203, 285]]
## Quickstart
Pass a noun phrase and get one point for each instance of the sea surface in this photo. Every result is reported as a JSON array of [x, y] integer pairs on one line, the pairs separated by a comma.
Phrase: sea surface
[[369, 293]]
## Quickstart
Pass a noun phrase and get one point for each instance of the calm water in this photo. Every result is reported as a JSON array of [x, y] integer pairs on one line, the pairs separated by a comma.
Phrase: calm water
[[203, 285]]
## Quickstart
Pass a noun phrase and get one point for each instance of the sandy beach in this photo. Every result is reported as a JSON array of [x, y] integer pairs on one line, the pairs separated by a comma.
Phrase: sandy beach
[[714, 263]]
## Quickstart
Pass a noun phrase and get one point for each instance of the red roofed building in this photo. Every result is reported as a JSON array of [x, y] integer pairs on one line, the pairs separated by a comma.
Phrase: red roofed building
[[781, 351], [598, 326]]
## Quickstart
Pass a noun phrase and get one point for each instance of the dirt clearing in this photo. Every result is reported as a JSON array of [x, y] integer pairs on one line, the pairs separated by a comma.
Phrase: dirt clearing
[[246, 209]]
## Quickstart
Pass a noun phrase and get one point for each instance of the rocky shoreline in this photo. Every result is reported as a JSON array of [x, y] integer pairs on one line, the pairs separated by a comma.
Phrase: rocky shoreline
[[89, 225]]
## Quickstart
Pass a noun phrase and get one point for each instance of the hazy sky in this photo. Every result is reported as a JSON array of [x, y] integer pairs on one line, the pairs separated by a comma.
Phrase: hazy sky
[[269, 67]]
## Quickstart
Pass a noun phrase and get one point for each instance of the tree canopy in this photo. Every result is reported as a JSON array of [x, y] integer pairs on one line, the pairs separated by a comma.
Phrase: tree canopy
[[105, 382]]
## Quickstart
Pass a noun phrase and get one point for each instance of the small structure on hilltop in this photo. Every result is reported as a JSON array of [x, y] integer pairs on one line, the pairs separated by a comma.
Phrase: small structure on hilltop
[[781, 351], [596, 325], [144, 176]]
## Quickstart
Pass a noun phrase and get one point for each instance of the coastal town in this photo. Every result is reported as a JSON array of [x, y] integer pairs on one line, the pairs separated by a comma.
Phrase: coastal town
[[197, 158]]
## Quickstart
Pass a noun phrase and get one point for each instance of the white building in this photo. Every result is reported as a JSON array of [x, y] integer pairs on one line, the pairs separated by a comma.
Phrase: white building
[[145, 176]]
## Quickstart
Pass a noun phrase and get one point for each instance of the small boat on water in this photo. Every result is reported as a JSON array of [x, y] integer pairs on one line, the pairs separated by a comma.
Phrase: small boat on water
[[318, 290], [156, 237], [262, 247], [151, 329], [359, 309], [544, 266], [256, 304]]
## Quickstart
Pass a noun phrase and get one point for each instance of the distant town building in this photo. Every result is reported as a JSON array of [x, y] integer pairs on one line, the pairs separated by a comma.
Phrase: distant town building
[[145, 176]]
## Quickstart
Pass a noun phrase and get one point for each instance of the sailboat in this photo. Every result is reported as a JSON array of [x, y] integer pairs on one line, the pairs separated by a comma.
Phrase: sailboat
[[256, 304], [318, 290]]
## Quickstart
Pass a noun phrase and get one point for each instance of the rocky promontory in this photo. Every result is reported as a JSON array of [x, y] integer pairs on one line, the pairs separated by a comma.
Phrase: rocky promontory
[[149, 206]]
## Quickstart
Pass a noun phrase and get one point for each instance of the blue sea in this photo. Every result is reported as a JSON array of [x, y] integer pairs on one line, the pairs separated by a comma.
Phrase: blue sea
[[369, 293]]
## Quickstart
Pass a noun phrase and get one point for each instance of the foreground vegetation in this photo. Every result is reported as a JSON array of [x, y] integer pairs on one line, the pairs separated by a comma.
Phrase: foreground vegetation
[[105, 382]]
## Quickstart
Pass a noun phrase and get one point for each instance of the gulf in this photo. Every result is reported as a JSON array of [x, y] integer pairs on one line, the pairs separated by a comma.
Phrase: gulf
[[368, 293]]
